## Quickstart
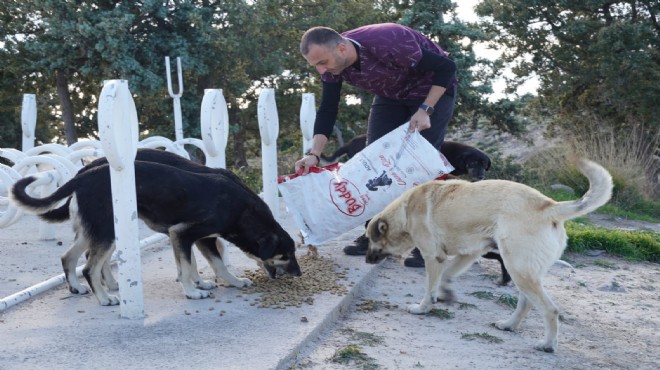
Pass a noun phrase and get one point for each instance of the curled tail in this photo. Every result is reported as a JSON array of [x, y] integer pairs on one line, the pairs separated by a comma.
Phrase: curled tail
[[43, 207], [599, 193]]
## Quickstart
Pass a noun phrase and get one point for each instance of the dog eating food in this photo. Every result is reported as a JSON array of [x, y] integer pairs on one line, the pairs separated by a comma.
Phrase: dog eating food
[[190, 207]]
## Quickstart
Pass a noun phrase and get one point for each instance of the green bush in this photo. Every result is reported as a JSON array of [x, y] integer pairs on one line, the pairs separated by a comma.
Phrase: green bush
[[632, 245]]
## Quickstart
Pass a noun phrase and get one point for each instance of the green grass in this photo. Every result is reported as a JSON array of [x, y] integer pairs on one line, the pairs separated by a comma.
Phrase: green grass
[[631, 245], [483, 295], [508, 300], [441, 314], [353, 354], [481, 336]]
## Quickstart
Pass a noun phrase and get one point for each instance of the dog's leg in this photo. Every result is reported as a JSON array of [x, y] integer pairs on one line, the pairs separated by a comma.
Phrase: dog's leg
[[69, 262], [539, 298], [182, 247], [456, 266], [212, 249], [532, 293], [108, 278], [522, 308], [92, 272], [433, 268]]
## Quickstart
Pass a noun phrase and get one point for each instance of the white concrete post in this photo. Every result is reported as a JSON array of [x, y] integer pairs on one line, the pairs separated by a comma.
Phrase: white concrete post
[[118, 129], [269, 127], [28, 120], [214, 120], [307, 117], [178, 125]]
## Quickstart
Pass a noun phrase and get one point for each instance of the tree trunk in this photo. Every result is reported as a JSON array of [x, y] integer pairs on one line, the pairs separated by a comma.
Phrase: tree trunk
[[67, 107]]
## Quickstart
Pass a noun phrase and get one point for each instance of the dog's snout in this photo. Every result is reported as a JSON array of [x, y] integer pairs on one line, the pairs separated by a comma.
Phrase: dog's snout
[[293, 268], [374, 256]]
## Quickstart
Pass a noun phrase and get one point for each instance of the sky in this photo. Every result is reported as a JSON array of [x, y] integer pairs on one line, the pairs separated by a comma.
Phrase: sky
[[465, 12]]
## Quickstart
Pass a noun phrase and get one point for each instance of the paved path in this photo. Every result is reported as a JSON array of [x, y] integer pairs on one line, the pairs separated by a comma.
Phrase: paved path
[[228, 331]]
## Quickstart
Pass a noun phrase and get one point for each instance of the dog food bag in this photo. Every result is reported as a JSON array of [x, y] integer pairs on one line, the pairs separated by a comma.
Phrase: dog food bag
[[327, 203]]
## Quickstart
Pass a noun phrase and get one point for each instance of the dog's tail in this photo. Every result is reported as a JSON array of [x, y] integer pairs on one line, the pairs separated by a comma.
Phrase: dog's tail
[[43, 207], [600, 191], [334, 157]]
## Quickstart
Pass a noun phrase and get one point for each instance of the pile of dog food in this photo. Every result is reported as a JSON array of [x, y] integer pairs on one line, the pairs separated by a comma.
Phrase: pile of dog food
[[319, 275]]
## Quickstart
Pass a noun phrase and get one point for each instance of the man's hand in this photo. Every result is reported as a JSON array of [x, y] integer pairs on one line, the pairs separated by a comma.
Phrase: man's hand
[[419, 121], [306, 163]]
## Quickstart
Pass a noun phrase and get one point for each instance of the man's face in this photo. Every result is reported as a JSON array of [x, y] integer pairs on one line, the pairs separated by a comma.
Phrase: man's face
[[328, 59]]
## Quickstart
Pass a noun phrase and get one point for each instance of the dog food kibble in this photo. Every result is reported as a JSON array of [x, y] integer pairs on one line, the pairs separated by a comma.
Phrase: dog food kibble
[[319, 275]]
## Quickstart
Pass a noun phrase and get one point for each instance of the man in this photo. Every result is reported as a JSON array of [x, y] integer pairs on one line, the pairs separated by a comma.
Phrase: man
[[411, 77]]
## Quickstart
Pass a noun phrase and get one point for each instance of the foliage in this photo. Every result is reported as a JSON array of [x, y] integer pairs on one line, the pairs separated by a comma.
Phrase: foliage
[[592, 57], [352, 354], [483, 336], [62, 51], [633, 245], [437, 19]]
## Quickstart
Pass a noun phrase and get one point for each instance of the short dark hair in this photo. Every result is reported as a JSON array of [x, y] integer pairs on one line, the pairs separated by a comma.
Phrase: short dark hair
[[322, 36]]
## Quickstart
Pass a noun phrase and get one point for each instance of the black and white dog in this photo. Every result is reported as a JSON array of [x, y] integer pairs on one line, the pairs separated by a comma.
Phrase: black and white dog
[[190, 206]]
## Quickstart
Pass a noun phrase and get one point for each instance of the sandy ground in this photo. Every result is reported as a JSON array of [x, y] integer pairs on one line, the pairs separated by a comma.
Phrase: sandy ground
[[610, 319]]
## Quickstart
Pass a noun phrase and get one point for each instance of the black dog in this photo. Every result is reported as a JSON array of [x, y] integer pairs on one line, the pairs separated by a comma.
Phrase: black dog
[[466, 159], [190, 207]]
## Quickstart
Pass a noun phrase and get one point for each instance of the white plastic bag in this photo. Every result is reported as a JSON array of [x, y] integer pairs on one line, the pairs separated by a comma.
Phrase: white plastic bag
[[325, 204]]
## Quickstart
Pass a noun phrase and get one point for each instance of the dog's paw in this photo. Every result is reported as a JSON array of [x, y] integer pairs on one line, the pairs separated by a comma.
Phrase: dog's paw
[[242, 283], [79, 289], [447, 296], [205, 284], [198, 294], [112, 300], [545, 347], [503, 325], [419, 309]]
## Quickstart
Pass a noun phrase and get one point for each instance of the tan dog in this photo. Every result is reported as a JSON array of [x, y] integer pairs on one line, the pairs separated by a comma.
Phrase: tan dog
[[466, 219]]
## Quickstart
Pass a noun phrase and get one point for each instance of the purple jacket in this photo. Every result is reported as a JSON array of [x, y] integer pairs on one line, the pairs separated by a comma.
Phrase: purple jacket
[[388, 54]]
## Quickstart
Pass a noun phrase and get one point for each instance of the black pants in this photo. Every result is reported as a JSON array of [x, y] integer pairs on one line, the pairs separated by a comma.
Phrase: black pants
[[387, 114]]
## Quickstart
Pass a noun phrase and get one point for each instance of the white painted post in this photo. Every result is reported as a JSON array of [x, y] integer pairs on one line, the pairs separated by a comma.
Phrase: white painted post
[[118, 128], [307, 117], [214, 120], [178, 125], [269, 129], [28, 120]]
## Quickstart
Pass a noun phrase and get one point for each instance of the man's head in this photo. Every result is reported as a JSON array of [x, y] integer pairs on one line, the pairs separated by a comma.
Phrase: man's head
[[327, 50]]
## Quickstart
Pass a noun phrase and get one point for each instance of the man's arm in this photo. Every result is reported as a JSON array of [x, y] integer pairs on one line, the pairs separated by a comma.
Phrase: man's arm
[[444, 70], [323, 125]]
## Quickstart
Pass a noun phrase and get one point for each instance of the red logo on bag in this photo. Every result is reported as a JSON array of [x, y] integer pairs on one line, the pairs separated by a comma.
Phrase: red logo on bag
[[346, 197]]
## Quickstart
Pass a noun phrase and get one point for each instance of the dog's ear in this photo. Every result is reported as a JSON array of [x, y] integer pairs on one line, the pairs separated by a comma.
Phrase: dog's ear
[[380, 230], [267, 246], [487, 163]]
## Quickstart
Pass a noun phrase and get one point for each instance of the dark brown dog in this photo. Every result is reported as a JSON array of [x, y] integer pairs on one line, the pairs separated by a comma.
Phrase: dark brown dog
[[466, 159]]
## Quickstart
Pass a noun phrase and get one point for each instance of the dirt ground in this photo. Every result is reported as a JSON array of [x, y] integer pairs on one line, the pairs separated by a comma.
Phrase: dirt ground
[[610, 319]]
